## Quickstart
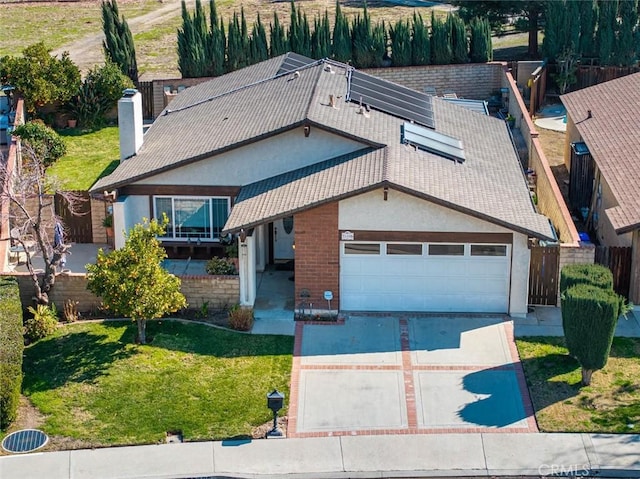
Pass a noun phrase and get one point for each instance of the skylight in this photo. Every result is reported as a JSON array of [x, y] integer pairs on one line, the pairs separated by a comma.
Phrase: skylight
[[433, 142]]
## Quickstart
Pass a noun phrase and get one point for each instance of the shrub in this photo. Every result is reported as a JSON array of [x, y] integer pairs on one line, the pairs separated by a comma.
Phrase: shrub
[[11, 347], [70, 311], [42, 324], [593, 274], [220, 266], [240, 319], [41, 142], [589, 318]]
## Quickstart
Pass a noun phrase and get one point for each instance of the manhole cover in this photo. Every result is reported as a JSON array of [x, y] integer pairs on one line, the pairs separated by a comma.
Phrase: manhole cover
[[26, 440]]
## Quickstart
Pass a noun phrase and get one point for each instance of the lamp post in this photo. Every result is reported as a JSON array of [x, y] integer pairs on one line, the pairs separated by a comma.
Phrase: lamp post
[[275, 401]]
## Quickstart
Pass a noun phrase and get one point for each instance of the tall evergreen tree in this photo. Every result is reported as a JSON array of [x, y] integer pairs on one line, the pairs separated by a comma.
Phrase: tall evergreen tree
[[378, 44], [217, 42], [400, 44], [341, 37], [420, 44], [626, 51], [605, 36], [305, 34], [440, 45], [118, 43], [258, 48], [588, 16], [480, 46], [193, 43], [362, 41], [321, 37], [236, 54], [458, 39], [278, 44], [562, 30]]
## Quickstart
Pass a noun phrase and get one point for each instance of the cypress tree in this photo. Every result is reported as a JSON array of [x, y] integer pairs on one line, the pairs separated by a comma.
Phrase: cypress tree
[[458, 39], [378, 44], [363, 46], [605, 37], [295, 35], [236, 54], [321, 37], [305, 34], [193, 43], [258, 43], [420, 44], [244, 40], [626, 52], [440, 45], [278, 40], [217, 44], [118, 44], [588, 11], [400, 44], [480, 47], [341, 37]]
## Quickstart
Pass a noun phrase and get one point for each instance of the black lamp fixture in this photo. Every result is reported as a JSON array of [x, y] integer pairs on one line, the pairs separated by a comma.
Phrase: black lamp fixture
[[275, 402]]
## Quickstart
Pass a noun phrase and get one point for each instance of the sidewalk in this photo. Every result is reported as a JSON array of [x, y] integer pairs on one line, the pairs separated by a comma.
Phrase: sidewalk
[[436, 455]]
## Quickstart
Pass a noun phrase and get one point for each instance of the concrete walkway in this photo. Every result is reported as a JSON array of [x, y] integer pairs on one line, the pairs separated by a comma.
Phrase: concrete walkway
[[437, 455]]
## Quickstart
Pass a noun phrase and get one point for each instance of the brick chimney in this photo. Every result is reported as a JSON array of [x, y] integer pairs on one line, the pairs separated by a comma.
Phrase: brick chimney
[[130, 123]]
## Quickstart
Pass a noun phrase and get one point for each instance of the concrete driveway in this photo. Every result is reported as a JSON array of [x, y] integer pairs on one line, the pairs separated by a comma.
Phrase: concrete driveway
[[407, 374]]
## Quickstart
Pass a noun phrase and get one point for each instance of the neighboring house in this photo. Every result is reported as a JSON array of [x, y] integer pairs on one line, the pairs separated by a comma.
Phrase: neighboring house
[[389, 198], [606, 117]]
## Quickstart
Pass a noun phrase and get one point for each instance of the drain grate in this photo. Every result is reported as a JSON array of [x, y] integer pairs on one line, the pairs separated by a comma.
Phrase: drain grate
[[26, 440]]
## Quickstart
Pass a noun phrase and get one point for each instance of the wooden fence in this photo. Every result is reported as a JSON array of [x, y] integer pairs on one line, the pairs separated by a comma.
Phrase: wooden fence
[[538, 83], [78, 224], [618, 260], [589, 75], [543, 275], [146, 90]]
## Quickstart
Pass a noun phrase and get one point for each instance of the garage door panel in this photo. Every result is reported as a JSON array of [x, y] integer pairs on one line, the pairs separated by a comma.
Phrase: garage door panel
[[388, 282]]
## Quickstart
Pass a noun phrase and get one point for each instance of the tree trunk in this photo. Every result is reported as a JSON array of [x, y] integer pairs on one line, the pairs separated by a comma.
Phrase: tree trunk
[[142, 331], [586, 376], [533, 34]]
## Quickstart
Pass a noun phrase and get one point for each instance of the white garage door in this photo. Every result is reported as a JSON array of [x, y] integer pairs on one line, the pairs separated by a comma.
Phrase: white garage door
[[435, 277]]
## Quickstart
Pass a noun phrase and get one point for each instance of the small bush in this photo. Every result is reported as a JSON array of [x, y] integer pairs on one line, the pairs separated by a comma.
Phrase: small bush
[[70, 311], [593, 274], [11, 348], [221, 266], [41, 141], [241, 319], [42, 324]]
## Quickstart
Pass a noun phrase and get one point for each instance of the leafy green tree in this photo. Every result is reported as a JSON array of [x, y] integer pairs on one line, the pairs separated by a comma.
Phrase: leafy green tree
[[118, 44], [237, 50], [589, 318], [626, 48], [341, 43], [605, 36], [41, 141], [40, 78], [420, 43], [562, 30], [321, 37], [100, 91], [368, 43], [480, 46], [131, 280], [440, 45], [278, 44], [259, 51], [400, 44], [458, 39], [588, 11]]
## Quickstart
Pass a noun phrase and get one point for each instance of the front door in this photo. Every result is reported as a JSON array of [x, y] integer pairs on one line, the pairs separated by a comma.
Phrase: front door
[[283, 239]]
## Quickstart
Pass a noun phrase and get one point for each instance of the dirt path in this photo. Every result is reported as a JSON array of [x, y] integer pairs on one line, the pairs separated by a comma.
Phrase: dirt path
[[87, 51]]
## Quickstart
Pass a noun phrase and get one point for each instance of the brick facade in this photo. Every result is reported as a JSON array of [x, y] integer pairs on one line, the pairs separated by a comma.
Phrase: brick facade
[[317, 265], [219, 291], [472, 80]]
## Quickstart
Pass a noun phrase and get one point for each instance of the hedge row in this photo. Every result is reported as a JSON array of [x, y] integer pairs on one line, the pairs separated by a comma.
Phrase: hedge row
[[593, 274], [11, 348]]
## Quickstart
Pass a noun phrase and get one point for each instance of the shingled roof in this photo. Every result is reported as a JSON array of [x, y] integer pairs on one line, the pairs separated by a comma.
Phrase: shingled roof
[[263, 100], [612, 133]]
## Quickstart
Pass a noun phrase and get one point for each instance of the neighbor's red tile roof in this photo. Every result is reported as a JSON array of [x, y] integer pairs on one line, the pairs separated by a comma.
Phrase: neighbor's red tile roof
[[613, 137]]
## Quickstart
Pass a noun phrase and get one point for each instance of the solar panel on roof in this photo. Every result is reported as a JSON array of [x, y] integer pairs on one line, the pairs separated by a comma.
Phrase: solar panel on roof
[[433, 142], [293, 62], [391, 98]]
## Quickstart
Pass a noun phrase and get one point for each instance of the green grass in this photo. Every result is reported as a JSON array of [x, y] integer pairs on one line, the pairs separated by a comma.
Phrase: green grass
[[610, 404], [95, 385], [57, 24], [89, 156]]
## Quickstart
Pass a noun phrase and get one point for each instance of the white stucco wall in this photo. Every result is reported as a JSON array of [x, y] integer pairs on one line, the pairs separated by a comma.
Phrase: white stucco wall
[[127, 211], [257, 161], [402, 212]]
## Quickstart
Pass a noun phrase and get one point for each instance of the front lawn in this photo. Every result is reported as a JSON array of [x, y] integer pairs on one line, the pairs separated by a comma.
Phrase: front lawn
[[95, 386], [610, 404], [89, 156]]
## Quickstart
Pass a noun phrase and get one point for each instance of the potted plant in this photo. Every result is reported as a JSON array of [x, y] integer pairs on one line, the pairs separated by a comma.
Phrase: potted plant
[[107, 222], [511, 121]]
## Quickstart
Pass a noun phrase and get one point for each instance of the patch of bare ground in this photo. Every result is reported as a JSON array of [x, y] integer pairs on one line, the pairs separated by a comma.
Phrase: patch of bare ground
[[261, 431]]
